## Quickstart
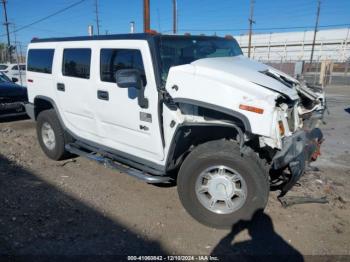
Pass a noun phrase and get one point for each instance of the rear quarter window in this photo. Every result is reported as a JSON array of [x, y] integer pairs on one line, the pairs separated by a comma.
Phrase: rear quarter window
[[40, 60]]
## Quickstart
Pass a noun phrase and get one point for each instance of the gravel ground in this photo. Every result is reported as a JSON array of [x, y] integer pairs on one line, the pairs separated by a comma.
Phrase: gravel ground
[[78, 207]]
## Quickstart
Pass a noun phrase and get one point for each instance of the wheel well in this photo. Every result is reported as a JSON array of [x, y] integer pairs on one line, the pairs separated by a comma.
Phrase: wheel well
[[40, 105], [188, 137]]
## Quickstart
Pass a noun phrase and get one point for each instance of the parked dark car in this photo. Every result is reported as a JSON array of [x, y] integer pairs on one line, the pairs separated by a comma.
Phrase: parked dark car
[[12, 98]]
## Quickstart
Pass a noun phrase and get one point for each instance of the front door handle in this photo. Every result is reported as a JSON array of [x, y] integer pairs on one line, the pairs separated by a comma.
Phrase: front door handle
[[103, 95], [61, 87]]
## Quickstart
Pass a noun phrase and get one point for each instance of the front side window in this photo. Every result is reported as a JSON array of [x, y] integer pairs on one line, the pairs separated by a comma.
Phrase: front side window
[[15, 68], [76, 62], [113, 60], [40, 60]]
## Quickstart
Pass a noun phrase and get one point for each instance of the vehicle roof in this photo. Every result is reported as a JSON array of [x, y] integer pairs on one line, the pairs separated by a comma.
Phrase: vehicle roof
[[137, 36], [8, 64]]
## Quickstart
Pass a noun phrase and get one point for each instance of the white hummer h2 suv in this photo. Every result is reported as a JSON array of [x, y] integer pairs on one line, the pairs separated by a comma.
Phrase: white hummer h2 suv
[[190, 109]]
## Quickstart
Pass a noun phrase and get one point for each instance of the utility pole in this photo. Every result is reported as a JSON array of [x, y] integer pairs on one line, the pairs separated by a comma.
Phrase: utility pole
[[97, 18], [17, 56], [316, 29], [146, 16], [6, 24], [251, 22], [174, 17]]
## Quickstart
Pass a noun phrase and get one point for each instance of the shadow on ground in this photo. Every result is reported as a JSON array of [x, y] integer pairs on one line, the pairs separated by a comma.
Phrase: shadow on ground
[[265, 244], [347, 110], [37, 218]]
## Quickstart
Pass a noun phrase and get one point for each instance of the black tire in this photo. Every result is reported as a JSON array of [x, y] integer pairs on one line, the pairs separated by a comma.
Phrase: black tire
[[223, 152], [58, 152]]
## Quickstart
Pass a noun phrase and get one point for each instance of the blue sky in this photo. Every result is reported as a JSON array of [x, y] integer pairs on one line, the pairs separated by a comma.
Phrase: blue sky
[[195, 16]]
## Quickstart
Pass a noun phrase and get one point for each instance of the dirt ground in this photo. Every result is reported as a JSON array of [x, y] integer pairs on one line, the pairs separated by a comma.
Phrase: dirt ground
[[78, 207]]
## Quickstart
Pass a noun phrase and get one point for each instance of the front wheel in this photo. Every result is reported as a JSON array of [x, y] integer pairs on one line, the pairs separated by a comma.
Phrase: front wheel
[[218, 185]]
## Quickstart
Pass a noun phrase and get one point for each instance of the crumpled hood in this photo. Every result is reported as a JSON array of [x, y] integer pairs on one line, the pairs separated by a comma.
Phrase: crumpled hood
[[251, 71]]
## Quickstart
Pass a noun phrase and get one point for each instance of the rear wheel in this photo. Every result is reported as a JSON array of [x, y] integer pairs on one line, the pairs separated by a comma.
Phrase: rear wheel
[[219, 186], [51, 135]]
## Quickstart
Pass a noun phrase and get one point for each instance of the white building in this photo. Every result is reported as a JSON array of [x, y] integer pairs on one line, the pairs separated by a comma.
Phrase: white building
[[332, 44]]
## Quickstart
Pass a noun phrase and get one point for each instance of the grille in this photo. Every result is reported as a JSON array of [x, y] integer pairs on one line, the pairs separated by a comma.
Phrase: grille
[[12, 99]]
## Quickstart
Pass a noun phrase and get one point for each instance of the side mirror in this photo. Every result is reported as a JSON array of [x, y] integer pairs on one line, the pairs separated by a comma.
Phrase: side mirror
[[14, 79], [126, 78]]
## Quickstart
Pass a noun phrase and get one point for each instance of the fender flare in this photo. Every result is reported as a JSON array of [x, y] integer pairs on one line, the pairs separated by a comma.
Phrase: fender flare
[[220, 109], [181, 127]]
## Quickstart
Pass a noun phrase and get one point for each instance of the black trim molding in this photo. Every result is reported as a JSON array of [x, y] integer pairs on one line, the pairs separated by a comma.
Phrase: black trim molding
[[224, 110]]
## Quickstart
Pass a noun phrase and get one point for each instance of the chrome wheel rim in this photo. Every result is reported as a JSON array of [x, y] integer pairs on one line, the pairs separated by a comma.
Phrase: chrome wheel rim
[[48, 136], [221, 189]]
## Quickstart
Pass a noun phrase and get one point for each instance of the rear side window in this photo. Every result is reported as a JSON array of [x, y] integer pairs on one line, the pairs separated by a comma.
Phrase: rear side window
[[113, 60], [76, 62], [40, 60]]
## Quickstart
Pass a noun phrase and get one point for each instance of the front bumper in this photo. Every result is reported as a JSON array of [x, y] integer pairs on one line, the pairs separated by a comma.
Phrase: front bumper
[[12, 109], [298, 149]]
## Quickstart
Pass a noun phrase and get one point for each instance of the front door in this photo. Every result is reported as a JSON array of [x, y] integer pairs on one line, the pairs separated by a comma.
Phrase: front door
[[123, 124]]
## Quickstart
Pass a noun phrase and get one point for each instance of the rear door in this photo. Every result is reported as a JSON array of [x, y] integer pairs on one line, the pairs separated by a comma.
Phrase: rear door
[[123, 123], [73, 88]]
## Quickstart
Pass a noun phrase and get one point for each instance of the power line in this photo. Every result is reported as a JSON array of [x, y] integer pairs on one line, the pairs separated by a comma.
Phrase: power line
[[47, 17], [261, 28]]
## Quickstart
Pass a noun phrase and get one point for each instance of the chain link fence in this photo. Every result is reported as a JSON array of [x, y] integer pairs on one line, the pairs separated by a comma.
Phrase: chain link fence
[[318, 73]]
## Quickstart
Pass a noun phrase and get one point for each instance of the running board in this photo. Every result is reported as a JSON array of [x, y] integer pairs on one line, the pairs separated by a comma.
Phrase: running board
[[75, 149]]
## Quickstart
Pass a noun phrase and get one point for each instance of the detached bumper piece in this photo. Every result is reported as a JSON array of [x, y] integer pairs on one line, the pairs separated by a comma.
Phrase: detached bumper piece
[[298, 149]]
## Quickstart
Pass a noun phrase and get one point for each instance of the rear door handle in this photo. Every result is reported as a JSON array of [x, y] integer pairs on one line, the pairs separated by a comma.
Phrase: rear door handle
[[61, 87], [103, 95]]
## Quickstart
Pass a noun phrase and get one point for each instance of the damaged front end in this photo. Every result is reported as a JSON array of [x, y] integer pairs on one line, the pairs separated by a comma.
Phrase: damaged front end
[[313, 105], [298, 150], [300, 138]]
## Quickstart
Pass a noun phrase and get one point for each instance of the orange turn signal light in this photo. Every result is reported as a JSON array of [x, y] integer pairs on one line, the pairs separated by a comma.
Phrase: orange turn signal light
[[252, 109], [281, 128]]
